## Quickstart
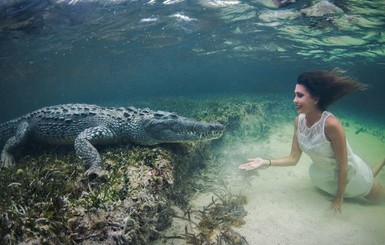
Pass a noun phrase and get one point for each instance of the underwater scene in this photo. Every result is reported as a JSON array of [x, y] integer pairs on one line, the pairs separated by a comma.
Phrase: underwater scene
[[174, 95]]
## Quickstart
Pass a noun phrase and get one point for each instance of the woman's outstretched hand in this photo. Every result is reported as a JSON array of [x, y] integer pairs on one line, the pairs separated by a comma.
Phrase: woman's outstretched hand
[[254, 163]]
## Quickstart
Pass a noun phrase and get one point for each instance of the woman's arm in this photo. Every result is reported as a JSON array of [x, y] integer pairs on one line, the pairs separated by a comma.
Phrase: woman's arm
[[290, 160], [335, 133]]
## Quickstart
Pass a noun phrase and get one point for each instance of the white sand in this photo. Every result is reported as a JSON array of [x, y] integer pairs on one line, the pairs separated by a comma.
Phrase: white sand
[[283, 205]]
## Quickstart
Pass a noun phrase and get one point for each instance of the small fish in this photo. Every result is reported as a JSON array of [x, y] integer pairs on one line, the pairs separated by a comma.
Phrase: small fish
[[360, 130]]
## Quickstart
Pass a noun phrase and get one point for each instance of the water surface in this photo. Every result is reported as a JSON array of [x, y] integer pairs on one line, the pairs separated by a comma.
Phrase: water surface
[[122, 51]]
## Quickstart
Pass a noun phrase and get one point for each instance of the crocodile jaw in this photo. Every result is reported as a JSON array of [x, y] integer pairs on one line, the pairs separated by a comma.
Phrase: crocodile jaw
[[182, 130]]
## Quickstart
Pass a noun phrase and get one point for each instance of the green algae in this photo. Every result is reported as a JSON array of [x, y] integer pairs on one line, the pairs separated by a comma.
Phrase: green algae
[[215, 222], [49, 200]]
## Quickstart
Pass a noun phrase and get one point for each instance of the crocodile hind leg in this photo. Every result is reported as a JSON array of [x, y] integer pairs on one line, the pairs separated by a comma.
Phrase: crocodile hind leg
[[87, 152], [21, 135]]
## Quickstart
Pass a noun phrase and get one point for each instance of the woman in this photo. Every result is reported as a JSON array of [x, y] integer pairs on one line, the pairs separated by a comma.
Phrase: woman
[[317, 132]]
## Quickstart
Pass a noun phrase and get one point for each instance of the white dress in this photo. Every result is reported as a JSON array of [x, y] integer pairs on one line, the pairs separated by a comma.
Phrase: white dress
[[324, 169]]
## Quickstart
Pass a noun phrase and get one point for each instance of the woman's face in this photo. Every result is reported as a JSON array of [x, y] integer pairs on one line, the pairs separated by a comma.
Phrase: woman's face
[[303, 100]]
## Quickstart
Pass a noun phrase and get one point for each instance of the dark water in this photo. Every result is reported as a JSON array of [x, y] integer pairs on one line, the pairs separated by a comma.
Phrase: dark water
[[119, 52]]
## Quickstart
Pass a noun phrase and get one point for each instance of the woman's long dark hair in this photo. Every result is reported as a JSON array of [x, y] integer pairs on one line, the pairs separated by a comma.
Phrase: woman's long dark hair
[[329, 86]]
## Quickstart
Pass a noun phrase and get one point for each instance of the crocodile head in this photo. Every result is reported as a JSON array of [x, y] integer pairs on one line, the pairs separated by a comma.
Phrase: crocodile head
[[166, 127]]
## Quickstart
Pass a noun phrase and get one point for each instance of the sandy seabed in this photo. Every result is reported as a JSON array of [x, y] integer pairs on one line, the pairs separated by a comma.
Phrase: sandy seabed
[[284, 207]]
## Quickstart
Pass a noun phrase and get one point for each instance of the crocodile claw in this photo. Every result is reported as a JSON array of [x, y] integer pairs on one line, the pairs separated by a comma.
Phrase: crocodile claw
[[7, 160], [93, 172]]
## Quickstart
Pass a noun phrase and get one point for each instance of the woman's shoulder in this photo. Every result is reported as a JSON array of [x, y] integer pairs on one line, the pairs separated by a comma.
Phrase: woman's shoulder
[[332, 124], [297, 118], [331, 120]]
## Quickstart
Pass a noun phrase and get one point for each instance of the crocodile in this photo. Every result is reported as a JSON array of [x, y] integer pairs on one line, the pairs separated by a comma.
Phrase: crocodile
[[85, 126]]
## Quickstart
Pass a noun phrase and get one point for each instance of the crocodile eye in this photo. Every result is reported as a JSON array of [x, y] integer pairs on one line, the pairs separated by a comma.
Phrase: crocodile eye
[[173, 116]]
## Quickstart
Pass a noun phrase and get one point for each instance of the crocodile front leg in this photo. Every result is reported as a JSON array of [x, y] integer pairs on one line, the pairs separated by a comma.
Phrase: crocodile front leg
[[87, 152], [21, 135]]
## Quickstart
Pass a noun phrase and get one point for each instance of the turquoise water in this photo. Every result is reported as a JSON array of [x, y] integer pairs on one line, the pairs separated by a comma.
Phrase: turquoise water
[[120, 52]]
